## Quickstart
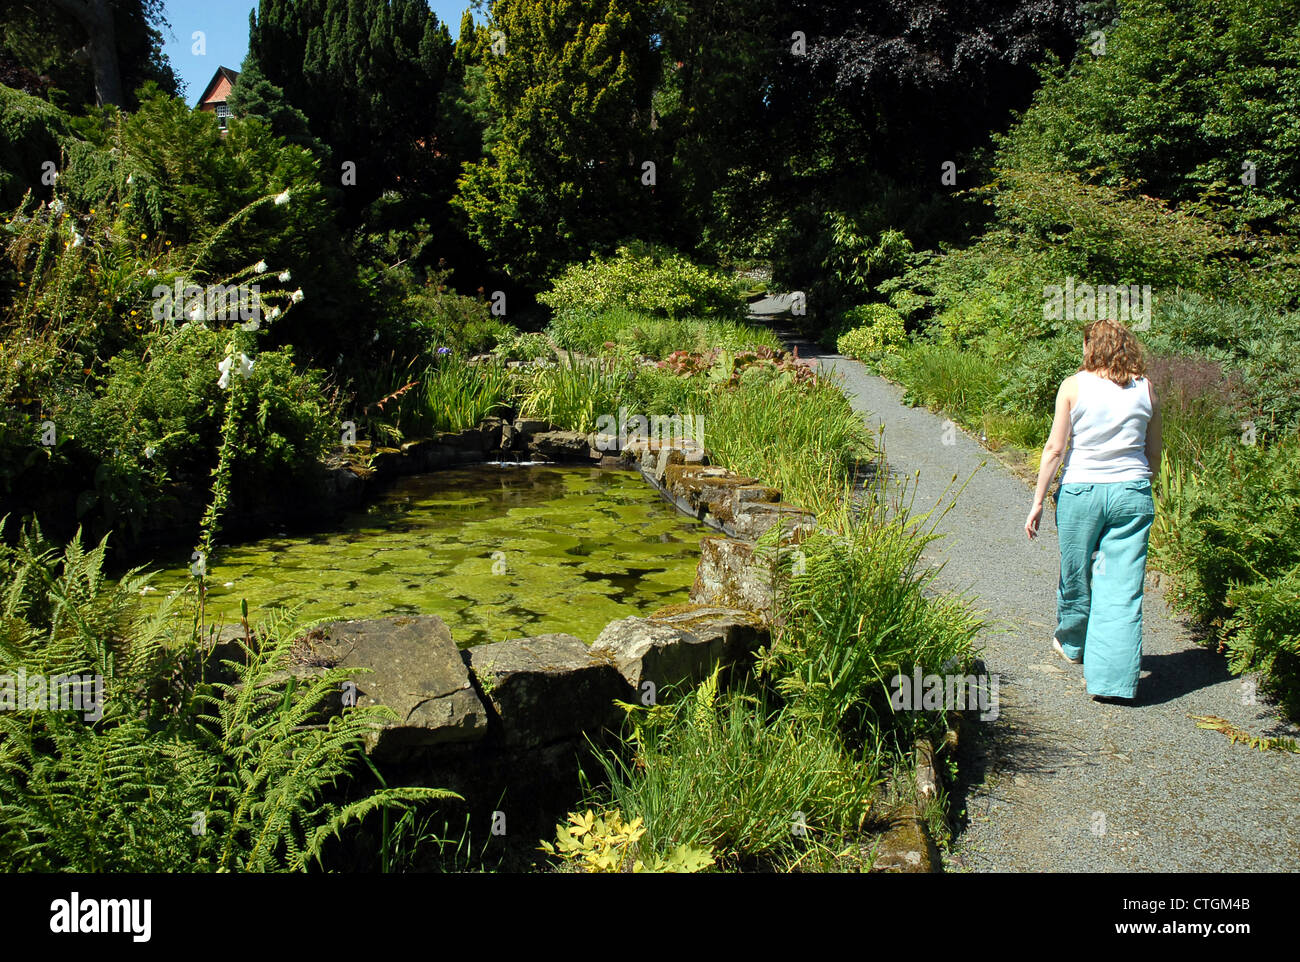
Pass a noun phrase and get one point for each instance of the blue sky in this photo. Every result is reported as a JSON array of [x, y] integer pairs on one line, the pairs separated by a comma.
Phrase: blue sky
[[224, 24]]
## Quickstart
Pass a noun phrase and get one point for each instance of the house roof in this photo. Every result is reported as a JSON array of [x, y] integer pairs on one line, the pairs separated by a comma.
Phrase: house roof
[[230, 75]]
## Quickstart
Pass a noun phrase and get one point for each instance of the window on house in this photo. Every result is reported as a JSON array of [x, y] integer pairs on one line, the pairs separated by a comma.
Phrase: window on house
[[223, 111]]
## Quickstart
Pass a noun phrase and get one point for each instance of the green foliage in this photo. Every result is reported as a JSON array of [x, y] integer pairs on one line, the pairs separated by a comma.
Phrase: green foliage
[[227, 199], [445, 394], [440, 317], [857, 614], [805, 440], [633, 334], [1185, 94], [1264, 634], [177, 774], [1252, 345], [605, 843], [874, 329], [530, 346], [721, 773], [962, 384], [92, 348], [564, 177], [370, 78], [30, 134], [573, 395], [1229, 539], [653, 281]]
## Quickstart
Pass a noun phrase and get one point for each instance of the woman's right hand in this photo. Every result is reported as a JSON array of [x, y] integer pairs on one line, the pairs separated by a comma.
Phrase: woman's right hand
[[1031, 522]]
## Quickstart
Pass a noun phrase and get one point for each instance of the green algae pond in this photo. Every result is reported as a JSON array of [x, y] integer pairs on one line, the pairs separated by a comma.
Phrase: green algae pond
[[496, 552]]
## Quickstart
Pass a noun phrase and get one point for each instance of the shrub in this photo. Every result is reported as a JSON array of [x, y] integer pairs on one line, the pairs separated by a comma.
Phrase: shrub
[[525, 347], [156, 418], [1264, 634], [1230, 539], [1233, 521], [443, 318], [1034, 377], [650, 280], [874, 330]]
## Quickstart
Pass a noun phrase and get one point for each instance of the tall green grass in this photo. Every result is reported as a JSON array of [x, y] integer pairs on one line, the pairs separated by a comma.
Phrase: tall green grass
[[575, 394], [859, 612], [421, 398], [804, 439], [724, 773]]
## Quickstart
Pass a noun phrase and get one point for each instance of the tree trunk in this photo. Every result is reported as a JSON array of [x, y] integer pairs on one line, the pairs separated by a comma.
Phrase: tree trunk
[[96, 18]]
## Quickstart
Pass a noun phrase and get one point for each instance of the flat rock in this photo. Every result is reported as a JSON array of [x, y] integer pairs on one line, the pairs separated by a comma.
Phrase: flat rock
[[547, 688], [418, 672], [678, 645]]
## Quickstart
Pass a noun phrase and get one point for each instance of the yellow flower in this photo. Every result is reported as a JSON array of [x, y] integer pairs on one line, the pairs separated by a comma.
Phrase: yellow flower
[[144, 237]]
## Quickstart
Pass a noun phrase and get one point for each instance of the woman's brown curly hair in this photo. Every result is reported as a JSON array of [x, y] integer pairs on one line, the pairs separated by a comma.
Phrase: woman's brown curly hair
[[1111, 350]]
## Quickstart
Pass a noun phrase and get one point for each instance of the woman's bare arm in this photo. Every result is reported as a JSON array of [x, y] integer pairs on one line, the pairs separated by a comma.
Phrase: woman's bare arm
[[1053, 451]]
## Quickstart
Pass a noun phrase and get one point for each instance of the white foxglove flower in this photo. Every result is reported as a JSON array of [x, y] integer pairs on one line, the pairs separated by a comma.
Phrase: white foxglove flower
[[296, 296], [261, 267], [130, 178], [196, 313], [56, 207], [284, 277], [149, 452], [281, 199], [275, 312], [225, 367], [151, 273], [77, 239]]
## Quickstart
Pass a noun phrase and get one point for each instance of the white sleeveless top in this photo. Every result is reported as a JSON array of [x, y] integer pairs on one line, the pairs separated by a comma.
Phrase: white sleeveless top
[[1108, 431]]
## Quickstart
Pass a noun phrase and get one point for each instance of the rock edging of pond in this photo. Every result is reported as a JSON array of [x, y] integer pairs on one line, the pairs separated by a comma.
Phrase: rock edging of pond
[[522, 717]]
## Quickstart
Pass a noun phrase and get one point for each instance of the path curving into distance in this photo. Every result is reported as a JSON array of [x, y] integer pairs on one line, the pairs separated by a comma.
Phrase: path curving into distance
[[1059, 783]]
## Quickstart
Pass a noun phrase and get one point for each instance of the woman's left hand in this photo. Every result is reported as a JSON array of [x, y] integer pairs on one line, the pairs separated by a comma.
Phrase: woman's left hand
[[1031, 522]]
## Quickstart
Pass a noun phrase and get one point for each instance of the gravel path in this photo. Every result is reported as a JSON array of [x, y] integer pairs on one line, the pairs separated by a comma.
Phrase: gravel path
[[1058, 782]]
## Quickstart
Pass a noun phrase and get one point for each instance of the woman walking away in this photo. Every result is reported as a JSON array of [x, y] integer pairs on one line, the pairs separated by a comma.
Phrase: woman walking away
[[1107, 414]]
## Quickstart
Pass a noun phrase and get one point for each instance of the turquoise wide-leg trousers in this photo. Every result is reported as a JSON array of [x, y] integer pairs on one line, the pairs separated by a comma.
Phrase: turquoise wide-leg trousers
[[1103, 531]]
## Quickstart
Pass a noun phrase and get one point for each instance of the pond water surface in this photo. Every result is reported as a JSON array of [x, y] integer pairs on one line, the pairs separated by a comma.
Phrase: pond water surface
[[496, 552]]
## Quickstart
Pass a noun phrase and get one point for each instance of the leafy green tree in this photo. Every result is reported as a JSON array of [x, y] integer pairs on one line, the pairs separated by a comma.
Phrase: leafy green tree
[[1195, 101], [570, 81], [368, 76]]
